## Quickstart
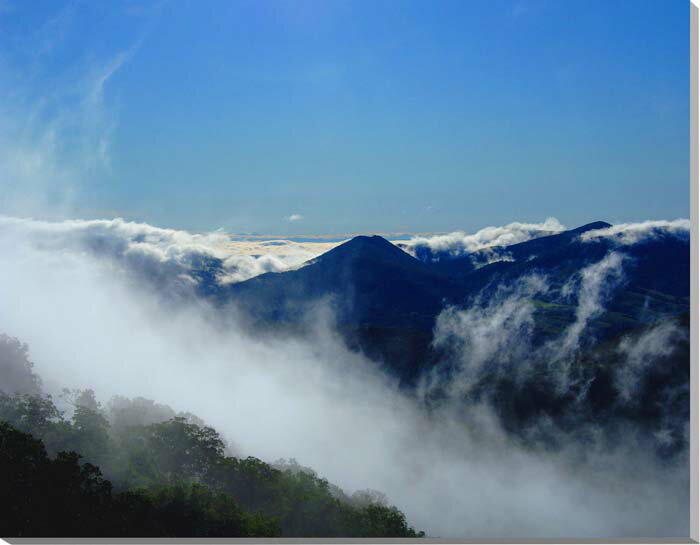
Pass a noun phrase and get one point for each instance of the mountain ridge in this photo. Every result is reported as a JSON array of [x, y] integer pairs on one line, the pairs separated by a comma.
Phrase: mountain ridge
[[386, 301]]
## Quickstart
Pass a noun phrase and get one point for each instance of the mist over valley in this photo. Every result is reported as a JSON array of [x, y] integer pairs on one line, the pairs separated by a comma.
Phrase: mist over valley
[[522, 381]]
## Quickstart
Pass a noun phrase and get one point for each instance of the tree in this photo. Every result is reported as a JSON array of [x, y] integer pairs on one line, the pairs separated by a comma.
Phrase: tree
[[16, 369], [41, 497], [44, 497], [181, 450], [90, 427], [33, 414]]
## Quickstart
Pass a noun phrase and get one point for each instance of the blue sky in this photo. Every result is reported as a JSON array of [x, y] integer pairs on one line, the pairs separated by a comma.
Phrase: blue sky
[[356, 115]]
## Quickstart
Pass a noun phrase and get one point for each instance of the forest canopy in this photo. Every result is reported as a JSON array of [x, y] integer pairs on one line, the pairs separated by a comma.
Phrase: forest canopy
[[136, 468]]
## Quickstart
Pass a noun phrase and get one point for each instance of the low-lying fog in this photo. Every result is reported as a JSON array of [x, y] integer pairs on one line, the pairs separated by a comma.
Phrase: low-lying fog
[[455, 473]]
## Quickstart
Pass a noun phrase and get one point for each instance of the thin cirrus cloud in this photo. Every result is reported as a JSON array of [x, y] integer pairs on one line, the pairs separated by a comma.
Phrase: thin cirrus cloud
[[56, 131]]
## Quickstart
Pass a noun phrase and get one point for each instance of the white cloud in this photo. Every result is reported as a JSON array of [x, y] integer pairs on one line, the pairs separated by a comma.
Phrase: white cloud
[[496, 329], [55, 127], [295, 217], [487, 334], [168, 257], [632, 233], [454, 474], [459, 242], [595, 284], [640, 353]]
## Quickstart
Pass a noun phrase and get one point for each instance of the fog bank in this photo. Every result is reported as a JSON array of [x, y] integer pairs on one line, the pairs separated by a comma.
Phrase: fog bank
[[454, 472]]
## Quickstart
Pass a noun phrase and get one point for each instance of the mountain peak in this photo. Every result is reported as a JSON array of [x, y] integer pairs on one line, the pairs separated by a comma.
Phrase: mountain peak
[[366, 245], [370, 240], [374, 257], [591, 227]]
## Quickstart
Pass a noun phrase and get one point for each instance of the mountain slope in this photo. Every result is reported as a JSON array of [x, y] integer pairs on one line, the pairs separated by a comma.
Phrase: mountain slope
[[464, 265], [386, 302], [367, 280]]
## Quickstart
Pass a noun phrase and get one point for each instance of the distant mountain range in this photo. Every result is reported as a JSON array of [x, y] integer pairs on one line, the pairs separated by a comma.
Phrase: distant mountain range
[[386, 301]]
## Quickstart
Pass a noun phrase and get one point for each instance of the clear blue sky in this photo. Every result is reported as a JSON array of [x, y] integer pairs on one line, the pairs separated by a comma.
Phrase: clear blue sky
[[357, 115]]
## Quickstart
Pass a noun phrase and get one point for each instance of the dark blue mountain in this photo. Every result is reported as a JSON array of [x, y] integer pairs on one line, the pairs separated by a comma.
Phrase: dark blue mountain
[[465, 264], [367, 280], [655, 282], [386, 301]]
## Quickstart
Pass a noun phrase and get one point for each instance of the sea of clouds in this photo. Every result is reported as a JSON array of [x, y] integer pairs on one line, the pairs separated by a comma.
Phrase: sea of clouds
[[68, 290]]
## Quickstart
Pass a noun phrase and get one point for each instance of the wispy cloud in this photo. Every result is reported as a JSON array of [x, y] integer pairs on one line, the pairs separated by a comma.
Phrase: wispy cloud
[[57, 126], [295, 217], [626, 234], [459, 242], [169, 258], [89, 325]]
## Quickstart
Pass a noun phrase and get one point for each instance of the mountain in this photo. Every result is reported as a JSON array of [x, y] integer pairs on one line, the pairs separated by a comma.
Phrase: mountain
[[386, 301], [465, 264], [367, 280], [655, 281], [626, 365]]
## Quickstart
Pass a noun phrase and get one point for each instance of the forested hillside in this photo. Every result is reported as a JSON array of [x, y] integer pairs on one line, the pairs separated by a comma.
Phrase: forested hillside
[[136, 468]]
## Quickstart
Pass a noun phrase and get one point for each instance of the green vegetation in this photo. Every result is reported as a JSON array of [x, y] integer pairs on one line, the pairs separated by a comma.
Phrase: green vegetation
[[43, 496], [168, 478], [136, 468]]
